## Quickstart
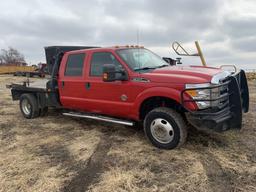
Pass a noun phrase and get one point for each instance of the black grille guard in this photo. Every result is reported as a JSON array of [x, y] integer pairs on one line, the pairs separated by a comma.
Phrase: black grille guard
[[233, 102]]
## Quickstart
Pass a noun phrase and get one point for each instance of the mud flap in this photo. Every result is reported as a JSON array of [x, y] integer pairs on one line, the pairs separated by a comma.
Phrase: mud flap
[[244, 91], [239, 99], [235, 122]]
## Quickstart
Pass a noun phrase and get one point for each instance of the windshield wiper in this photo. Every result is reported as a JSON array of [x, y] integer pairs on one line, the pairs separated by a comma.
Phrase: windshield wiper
[[144, 68], [162, 66]]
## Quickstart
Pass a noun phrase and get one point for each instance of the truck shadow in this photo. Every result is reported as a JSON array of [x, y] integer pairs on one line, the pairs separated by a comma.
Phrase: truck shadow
[[205, 138], [195, 137]]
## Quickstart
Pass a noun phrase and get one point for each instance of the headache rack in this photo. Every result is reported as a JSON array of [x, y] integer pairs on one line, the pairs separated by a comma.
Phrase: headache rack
[[52, 53]]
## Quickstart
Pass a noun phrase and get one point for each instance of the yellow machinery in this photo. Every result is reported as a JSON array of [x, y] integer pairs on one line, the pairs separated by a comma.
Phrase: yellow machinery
[[13, 69]]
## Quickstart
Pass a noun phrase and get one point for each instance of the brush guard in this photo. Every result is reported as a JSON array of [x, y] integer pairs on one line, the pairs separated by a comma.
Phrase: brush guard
[[232, 102]]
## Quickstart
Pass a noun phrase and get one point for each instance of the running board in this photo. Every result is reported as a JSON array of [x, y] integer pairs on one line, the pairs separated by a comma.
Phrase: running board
[[101, 118]]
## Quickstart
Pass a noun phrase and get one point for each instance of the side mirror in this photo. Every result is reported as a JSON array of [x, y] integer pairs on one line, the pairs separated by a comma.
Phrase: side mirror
[[169, 60], [178, 60], [110, 74]]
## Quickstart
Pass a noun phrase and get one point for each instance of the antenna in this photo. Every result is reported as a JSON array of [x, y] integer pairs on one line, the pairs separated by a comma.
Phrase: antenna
[[138, 36], [138, 49]]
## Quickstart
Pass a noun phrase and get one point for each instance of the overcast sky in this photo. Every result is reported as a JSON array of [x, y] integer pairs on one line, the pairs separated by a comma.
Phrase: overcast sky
[[225, 29]]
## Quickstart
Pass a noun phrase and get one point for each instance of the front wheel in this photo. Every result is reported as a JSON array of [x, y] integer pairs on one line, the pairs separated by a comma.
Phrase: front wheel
[[165, 128]]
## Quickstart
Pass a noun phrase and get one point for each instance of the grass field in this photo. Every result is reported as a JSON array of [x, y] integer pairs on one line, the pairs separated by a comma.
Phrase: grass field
[[57, 153]]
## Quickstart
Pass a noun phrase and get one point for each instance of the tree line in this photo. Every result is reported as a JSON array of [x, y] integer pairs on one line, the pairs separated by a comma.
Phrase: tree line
[[11, 56]]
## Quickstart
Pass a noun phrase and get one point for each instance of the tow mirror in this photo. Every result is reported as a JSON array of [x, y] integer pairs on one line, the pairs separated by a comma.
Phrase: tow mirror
[[110, 74], [169, 60]]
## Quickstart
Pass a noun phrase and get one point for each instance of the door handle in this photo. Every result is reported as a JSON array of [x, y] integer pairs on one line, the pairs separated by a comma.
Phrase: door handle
[[87, 85], [62, 84]]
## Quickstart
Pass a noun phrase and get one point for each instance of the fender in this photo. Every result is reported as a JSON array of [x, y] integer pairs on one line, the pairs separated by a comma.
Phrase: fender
[[170, 93]]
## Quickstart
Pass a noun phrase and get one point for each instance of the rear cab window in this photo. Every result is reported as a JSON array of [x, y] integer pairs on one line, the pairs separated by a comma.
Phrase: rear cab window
[[75, 65]]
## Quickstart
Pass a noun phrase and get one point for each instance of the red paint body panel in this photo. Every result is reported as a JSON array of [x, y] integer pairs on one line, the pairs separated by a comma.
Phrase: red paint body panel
[[105, 97]]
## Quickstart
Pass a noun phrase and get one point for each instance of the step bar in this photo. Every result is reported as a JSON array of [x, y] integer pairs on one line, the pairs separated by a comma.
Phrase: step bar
[[100, 118]]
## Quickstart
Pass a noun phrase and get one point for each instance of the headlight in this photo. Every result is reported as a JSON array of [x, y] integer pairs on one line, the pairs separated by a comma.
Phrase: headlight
[[219, 76], [203, 94]]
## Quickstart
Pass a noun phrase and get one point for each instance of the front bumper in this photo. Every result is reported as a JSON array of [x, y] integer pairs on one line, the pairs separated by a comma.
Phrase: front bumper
[[233, 101]]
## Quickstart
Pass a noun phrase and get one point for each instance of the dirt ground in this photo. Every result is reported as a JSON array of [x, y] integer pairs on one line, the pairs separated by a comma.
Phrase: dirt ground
[[57, 153]]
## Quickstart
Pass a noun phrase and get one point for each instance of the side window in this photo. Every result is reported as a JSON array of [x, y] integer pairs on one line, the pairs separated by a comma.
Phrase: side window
[[75, 64], [101, 58]]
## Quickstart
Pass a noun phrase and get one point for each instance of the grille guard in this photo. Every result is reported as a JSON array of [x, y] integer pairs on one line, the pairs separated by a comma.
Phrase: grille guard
[[183, 101], [236, 102]]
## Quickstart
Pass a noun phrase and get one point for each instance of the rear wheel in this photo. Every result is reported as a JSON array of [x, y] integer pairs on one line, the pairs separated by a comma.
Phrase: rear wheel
[[29, 106], [165, 128]]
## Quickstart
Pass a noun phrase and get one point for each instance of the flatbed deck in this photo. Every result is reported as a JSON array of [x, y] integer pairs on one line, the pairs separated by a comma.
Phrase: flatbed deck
[[38, 85]]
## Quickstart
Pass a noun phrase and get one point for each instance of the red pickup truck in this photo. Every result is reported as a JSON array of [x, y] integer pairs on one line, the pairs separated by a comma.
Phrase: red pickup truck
[[130, 84]]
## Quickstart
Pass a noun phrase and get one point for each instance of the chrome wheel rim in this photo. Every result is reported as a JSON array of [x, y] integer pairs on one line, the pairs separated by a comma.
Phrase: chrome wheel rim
[[26, 107], [162, 130]]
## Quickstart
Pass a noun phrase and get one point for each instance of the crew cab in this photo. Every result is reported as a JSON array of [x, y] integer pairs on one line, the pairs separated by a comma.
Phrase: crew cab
[[131, 85]]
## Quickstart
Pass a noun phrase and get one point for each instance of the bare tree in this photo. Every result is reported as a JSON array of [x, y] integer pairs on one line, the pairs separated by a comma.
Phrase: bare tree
[[11, 57]]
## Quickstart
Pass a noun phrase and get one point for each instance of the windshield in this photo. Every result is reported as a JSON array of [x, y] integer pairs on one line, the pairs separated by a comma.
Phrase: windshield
[[141, 59]]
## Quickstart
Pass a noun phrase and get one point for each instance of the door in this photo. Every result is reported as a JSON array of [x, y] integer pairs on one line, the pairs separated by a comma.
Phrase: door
[[71, 81], [109, 98]]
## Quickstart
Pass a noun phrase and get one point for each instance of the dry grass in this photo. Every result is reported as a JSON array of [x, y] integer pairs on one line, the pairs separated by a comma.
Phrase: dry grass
[[56, 153], [251, 76]]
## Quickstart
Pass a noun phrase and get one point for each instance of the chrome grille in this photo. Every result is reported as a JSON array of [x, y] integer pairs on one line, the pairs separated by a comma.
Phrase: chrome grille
[[223, 92]]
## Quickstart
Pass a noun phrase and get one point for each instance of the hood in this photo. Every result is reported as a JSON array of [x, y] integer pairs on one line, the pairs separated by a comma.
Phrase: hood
[[182, 74]]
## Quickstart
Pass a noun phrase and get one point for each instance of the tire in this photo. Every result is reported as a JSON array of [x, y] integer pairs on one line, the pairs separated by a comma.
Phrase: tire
[[29, 106], [165, 128]]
